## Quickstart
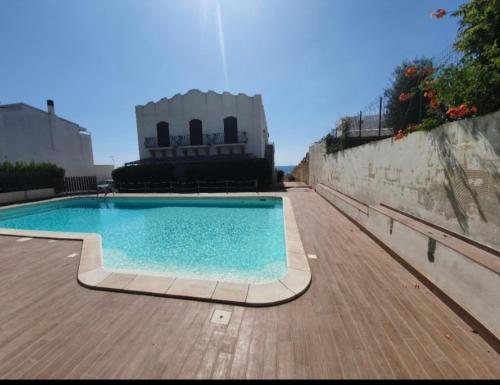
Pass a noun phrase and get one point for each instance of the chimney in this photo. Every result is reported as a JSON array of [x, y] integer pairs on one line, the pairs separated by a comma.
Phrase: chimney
[[50, 107]]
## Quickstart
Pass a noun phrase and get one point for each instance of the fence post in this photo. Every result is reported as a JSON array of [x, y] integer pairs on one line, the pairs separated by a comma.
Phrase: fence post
[[380, 117], [360, 122], [227, 188], [256, 186], [170, 187]]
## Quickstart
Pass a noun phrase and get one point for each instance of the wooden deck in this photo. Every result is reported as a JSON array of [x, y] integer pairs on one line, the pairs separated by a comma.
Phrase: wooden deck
[[364, 316]]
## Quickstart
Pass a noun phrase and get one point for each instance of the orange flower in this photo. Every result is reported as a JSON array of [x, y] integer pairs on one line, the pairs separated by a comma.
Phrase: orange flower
[[435, 103], [458, 112], [453, 113], [439, 13], [431, 94], [410, 71], [463, 109], [405, 96], [399, 135]]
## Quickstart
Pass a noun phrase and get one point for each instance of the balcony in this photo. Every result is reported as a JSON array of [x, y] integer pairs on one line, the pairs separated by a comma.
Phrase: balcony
[[206, 140]]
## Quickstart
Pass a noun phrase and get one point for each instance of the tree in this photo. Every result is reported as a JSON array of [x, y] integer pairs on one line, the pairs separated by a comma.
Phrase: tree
[[406, 104], [475, 81]]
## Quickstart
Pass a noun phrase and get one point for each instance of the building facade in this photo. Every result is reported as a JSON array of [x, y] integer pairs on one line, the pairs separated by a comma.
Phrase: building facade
[[28, 134], [202, 125]]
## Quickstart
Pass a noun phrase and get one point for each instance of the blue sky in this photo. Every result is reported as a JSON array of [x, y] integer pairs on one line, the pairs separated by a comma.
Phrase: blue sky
[[312, 61]]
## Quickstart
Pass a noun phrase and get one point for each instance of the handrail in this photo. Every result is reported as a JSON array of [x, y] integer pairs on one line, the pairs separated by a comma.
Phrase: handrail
[[190, 186], [185, 140]]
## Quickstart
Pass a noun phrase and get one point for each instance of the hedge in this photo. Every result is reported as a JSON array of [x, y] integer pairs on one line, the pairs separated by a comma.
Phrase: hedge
[[29, 176], [212, 171], [144, 173], [238, 170]]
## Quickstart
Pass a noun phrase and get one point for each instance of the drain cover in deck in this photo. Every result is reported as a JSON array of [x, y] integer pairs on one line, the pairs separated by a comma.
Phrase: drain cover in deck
[[221, 317]]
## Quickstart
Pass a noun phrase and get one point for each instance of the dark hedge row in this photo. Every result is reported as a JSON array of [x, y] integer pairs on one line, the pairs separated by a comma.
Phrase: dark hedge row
[[29, 176], [244, 169], [144, 173], [236, 170]]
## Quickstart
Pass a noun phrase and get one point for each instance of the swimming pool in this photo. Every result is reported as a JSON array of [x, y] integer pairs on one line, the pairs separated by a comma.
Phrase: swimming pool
[[220, 239]]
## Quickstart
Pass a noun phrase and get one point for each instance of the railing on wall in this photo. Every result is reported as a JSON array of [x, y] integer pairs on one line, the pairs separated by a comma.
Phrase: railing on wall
[[185, 140], [189, 187], [80, 184], [366, 133]]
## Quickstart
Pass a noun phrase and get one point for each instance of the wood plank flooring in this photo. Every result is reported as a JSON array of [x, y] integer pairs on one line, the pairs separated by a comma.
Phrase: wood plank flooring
[[364, 316]]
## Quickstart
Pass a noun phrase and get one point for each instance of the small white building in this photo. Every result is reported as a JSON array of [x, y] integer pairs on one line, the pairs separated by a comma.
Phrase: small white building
[[202, 125], [30, 134], [369, 126]]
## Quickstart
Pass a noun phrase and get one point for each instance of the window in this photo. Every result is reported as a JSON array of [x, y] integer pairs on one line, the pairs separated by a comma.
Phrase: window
[[230, 130], [195, 132], [163, 134]]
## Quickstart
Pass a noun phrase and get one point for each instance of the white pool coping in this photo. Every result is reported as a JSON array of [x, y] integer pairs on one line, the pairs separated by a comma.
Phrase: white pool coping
[[93, 275]]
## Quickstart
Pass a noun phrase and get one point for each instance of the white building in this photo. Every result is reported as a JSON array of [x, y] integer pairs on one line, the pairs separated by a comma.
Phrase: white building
[[203, 125], [369, 126], [29, 134]]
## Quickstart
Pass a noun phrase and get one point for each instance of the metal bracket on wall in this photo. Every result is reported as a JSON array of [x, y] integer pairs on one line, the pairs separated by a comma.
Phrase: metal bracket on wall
[[431, 248], [391, 225]]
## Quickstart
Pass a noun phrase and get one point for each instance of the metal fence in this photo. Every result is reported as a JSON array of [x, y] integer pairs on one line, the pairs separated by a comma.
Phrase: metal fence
[[204, 139], [369, 122], [189, 187], [80, 184]]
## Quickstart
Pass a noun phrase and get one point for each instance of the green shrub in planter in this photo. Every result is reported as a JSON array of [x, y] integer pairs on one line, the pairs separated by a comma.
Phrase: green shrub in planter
[[29, 176]]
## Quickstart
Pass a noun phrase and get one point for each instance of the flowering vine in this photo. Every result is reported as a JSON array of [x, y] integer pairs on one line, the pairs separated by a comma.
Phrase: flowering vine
[[439, 13]]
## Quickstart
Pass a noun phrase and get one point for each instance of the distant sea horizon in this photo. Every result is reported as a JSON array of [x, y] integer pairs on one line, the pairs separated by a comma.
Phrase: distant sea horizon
[[286, 169]]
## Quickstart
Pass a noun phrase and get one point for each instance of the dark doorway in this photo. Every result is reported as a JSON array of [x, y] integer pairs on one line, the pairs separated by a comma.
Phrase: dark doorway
[[195, 132], [230, 130], [163, 134]]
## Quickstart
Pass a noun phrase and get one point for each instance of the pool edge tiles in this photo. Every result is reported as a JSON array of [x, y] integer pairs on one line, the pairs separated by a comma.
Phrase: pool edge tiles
[[92, 273]]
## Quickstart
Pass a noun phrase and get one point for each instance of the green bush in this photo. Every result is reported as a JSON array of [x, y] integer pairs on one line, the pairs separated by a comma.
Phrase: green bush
[[290, 178], [28, 176], [279, 175], [470, 87], [400, 114], [237, 170], [475, 81], [334, 143], [144, 173], [211, 171]]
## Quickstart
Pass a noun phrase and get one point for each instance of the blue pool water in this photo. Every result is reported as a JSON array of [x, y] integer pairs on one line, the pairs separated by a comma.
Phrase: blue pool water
[[238, 240]]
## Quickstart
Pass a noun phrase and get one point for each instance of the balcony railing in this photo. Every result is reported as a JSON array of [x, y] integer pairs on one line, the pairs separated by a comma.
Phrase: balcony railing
[[185, 140]]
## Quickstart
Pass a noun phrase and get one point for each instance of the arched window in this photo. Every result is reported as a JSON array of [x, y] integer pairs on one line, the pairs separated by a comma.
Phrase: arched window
[[163, 134], [230, 130], [195, 132]]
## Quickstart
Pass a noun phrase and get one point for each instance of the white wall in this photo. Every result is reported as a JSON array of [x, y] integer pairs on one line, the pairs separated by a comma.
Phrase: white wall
[[20, 196], [470, 278], [28, 134], [211, 108], [103, 172], [449, 176]]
